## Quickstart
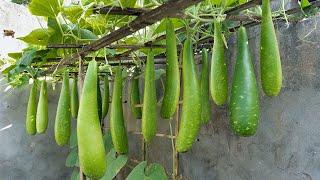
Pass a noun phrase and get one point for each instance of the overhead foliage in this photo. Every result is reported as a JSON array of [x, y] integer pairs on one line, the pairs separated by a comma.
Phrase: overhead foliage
[[78, 24]]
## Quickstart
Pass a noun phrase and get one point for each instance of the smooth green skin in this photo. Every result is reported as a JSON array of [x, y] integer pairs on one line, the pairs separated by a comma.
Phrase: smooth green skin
[[135, 98], [92, 155], [218, 72], [270, 63], [32, 111], [172, 84], [62, 126], [244, 101], [117, 126], [149, 110], [191, 108], [74, 99], [204, 85], [106, 96], [42, 110], [99, 99]]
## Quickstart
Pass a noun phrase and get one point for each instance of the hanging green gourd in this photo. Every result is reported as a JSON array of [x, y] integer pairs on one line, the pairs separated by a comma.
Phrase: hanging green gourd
[[204, 85], [74, 98], [32, 110], [106, 96], [218, 72], [42, 110], [270, 63], [92, 155], [99, 99], [135, 98], [149, 110], [244, 101], [191, 107], [172, 84], [117, 126], [62, 126]]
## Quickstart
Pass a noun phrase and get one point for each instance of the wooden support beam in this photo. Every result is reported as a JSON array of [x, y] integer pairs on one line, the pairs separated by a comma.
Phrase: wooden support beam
[[166, 10], [113, 46], [113, 10]]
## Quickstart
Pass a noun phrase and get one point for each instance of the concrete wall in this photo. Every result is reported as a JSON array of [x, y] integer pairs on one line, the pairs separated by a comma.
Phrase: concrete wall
[[24, 157], [286, 146]]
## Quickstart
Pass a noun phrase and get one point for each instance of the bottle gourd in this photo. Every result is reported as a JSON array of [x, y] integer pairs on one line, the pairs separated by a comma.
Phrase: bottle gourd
[[92, 155]]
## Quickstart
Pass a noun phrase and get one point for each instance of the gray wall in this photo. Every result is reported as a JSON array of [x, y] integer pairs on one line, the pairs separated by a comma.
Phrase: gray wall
[[287, 144], [25, 157]]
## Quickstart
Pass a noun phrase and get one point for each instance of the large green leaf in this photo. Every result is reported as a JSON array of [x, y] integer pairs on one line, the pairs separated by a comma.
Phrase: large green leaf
[[107, 139], [115, 164], [304, 3], [21, 1], [38, 37], [73, 138], [15, 55], [8, 69], [46, 8], [27, 57], [177, 23], [72, 159], [128, 3], [75, 174], [152, 172]]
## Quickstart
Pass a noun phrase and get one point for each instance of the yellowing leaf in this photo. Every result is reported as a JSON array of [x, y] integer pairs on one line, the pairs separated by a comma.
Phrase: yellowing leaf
[[46, 8], [38, 37]]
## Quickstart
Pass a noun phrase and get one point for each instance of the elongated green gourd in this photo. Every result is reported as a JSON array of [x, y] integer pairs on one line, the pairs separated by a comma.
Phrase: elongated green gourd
[[117, 126], [218, 72], [74, 99], [270, 63], [244, 101], [106, 96], [135, 98], [62, 126], [191, 108], [32, 111], [99, 99], [204, 85], [92, 155], [172, 84], [149, 110], [42, 110]]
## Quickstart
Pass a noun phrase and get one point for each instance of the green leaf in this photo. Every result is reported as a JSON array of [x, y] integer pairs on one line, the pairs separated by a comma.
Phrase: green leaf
[[23, 2], [115, 164], [128, 3], [177, 23], [73, 138], [38, 37], [156, 172], [8, 69], [304, 3], [47, 8], [138, 172], [72, 13], [107, 139], [72, 159], [75, 174], [16, 55], [152, 172], [27, 57]]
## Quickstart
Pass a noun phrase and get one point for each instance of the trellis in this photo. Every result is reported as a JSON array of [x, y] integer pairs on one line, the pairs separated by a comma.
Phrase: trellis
[[146, 17]]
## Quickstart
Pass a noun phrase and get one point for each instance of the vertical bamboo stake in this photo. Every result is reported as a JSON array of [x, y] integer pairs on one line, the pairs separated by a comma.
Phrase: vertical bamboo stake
[[81, 80]]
